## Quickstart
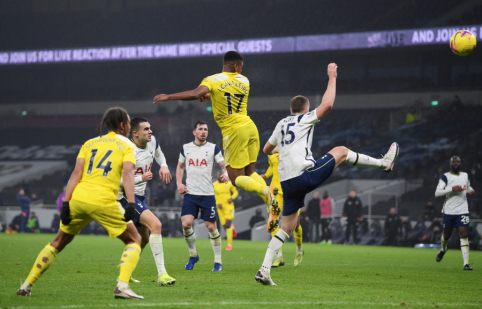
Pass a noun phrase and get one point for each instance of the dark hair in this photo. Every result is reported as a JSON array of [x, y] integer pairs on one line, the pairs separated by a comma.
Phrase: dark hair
[[299, 103], [135, 122], [233, 56], [200, 122], [112, 119]]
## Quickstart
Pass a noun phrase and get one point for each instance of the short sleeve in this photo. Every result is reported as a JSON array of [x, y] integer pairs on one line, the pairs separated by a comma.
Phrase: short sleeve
[[444, 179], [308, 118], [129, 155], [273, 140], [81, 154], [218, 155], [207, 82], [182, 157]]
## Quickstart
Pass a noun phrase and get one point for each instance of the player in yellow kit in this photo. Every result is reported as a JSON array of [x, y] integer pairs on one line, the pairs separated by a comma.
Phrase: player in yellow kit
[[229, 92], [273, 227], [91, 195], [225, 193]]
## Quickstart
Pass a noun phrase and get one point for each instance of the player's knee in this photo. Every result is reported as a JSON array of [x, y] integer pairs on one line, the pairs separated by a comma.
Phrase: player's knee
[[211, 226], [342, 151], [156, 227]]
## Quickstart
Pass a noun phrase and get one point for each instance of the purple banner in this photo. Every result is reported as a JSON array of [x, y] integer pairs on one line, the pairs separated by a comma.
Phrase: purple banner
[[343, 41]]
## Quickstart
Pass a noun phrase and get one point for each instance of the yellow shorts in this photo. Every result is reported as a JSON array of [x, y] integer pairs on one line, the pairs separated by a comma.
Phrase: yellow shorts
[[226, 213], [110, 217], [241, 146]]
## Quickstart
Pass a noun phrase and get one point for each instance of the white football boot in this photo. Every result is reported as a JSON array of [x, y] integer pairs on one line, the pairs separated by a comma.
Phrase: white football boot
[[390, 157], [263, 279]]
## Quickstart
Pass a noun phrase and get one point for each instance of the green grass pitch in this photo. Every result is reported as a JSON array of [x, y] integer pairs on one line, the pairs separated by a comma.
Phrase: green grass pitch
[[83, 276]]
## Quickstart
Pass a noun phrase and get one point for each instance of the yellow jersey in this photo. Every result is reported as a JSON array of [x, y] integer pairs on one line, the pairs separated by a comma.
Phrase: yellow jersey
[[273, 170], [229, 96], [224, 191], [104, 158]]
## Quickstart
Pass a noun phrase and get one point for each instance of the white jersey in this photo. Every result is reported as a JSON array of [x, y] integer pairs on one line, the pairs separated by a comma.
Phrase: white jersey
[[144, 159], [455, 202], [293, 135], [199, 161]]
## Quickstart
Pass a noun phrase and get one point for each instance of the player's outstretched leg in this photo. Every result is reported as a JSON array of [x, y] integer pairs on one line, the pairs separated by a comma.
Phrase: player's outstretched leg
[[299, 242], [361, 160]]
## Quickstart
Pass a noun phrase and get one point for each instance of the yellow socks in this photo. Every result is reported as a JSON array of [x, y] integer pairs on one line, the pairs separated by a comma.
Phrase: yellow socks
[[129, 260], [261, 181], [42, 263], [229, 236], [299, 236], [250, 184]]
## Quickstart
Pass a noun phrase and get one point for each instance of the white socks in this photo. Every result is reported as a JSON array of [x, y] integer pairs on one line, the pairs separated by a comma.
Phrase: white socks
[[273, 248], [361, 160], [464, 246], [216, 244], [155, 241], [190, 239], [444, 243]]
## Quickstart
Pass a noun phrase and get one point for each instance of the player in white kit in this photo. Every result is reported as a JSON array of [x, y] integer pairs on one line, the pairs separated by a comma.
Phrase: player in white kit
[[455, 185], [299, 172], [147, 149], [199, 157]]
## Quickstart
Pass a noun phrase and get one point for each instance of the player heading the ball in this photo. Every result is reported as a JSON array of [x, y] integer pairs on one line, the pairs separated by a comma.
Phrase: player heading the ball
[[229, 92]]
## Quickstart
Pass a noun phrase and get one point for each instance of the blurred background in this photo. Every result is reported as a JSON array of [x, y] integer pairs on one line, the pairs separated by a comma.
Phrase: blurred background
[[63, 63]]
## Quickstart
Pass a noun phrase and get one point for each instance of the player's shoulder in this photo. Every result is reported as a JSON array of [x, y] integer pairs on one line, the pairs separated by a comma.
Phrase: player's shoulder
[[242, 79], [153, 143], [125, 140], [218, 77]]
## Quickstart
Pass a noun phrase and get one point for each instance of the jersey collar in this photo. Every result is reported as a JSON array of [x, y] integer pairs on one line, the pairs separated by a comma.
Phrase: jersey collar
[[132, 140], [454, 173], [200, 145]]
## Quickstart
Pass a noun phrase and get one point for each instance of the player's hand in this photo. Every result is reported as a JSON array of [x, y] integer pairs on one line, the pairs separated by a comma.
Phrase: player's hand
[[220, 206], [332, 70], [205, 98], [130, 213], [224, 178], [160, 97], [263, 176], [65, 213], [472, 193], [457, 189], [165, 174], [181, 188], [307, 218], [146, 176], [230, 201], [343, 218], [275, 150]]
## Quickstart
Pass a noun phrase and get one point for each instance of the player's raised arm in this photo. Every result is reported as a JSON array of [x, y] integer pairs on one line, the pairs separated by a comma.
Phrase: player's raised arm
[[330, 93], [198, 93]]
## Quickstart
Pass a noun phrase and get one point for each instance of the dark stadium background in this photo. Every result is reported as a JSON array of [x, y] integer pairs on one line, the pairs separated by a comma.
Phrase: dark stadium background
[[36, 100]]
